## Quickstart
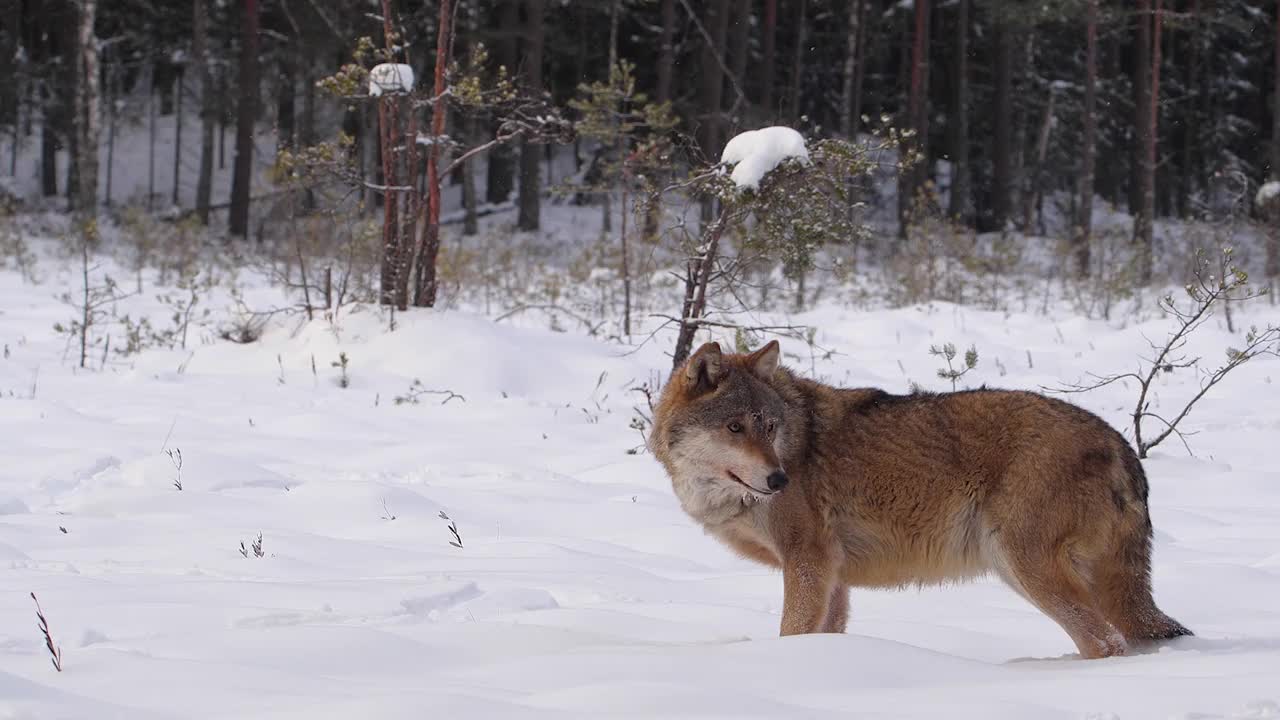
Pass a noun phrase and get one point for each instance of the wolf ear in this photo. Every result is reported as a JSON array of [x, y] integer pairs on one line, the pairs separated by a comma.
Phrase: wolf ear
[[705, 366], [764, 362]]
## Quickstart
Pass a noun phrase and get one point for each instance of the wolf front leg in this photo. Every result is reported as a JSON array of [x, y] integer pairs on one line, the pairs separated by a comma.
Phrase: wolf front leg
[[808, 582]]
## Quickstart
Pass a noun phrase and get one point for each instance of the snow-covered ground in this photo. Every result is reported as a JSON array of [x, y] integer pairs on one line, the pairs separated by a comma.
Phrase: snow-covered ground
[[580, 588]]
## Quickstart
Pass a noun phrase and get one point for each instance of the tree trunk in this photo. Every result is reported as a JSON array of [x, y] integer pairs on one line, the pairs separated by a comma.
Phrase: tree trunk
[[48, 155], [10, 73], [87, 111], [307, 132], [208, 107], [286, 108], [1188, 165], [610, 151], [1273, 234], [177, 139], [152, 132], [530, 154], [413, 216], [848, 117], [471, 220], [797, 61], [430, 248], [394, 276], [1141, 105], [500, 176], [666, 50], [741, 44], [626, 264], [400, 159], [911, 177], [697, 277], [1033, 197], [1084, 224], [1149, 94], [389, 278], [222, 119], [770, 32], [364, 124], [712, 80], [70, 120], [958, 123], [14, 143], [1002, 165], [1153, 137], [1022, 123], [43, 53], [113, 91], [246, 113], [1275, 105]]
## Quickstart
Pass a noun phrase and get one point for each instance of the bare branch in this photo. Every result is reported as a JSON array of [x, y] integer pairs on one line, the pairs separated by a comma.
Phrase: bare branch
[[704, 322], [724, 69], [1210, 289]]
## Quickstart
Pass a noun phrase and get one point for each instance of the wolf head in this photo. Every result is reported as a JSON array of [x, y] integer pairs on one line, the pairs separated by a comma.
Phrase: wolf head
[[719, 429]]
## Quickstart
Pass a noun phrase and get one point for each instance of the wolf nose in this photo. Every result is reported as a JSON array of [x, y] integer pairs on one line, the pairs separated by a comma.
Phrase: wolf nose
[[777, 480]]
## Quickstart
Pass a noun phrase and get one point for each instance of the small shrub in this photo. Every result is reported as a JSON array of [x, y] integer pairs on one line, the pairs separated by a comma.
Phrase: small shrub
[[948, 353], [342, 363]]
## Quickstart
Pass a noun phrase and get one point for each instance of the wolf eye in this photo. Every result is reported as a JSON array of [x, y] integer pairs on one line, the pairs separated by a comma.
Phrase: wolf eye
[[773, 425], [735, 427]]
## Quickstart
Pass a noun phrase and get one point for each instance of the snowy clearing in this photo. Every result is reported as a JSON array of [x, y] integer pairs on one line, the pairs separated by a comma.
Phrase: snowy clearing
[[580, 588]]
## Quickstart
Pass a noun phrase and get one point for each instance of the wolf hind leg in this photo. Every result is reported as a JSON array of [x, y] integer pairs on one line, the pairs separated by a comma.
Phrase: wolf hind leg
[[1140, 621], [1057, 590], [1122, 583]]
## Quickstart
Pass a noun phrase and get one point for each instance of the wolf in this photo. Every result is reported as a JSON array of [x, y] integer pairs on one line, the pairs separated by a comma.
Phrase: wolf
[[843, 488]]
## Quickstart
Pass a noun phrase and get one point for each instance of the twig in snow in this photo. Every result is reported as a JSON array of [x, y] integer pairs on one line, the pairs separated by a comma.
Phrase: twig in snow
[[175, 457], [54, 650], [416, 391], [256, 546], [453, 528]]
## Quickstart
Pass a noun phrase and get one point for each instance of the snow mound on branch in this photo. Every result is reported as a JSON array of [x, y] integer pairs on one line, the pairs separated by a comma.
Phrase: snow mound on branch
[[756, 152], [1267, 193], [390, 78]]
